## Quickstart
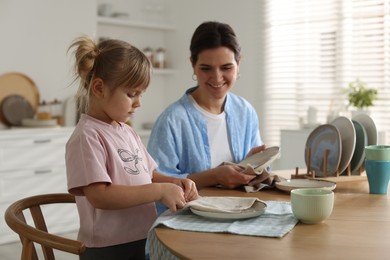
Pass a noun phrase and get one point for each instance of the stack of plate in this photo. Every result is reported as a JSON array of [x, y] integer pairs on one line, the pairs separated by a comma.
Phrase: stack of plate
[[345, 140], [31, 122], [220, 207]]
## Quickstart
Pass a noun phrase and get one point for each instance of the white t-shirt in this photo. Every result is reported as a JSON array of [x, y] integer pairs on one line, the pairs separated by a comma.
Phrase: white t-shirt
[[100, 152], [217, 135]]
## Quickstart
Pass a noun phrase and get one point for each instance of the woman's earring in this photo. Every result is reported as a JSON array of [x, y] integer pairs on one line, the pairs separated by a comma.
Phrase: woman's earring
[[194, 78]]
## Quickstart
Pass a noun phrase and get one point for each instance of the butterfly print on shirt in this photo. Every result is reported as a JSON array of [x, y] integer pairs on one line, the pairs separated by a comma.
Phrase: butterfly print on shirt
[[133, 159]]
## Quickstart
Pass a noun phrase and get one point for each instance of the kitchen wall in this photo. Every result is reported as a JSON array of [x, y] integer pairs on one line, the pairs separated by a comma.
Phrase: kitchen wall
[[35, 36], [245, 20]]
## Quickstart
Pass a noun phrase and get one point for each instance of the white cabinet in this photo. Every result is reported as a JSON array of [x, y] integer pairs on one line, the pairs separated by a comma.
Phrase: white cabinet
[[32, 161], [292, 149]]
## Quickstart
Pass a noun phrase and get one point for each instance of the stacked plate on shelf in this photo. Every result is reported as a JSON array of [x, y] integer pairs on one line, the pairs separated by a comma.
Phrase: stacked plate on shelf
[[344, 140]]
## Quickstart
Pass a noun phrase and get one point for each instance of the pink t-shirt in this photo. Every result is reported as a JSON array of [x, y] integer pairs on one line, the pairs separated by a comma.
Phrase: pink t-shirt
[[100, 152]]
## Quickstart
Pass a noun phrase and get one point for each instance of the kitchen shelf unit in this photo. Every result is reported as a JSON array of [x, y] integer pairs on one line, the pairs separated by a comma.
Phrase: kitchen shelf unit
[[164, 72], [131, 23]]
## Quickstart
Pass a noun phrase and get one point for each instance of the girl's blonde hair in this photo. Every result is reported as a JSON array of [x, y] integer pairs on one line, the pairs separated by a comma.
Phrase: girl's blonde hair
[[117, 63]]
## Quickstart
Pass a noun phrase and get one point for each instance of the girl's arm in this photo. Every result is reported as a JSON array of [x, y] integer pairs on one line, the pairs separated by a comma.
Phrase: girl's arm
[[112, 196]]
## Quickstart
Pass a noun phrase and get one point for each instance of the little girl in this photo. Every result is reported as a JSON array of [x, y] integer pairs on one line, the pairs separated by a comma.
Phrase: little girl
[[108, 168]]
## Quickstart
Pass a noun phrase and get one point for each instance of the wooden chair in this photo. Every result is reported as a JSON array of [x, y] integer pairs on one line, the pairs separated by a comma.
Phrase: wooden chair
[[39, 234]]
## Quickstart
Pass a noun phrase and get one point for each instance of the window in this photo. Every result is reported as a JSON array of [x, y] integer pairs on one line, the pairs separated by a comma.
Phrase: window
[[313, 49]]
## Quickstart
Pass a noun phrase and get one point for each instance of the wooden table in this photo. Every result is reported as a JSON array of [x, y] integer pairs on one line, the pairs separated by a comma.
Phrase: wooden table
[[358, 228]]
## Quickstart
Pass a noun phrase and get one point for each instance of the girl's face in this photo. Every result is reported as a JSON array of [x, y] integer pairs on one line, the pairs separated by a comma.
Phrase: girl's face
[[120, 104], [216, 71]]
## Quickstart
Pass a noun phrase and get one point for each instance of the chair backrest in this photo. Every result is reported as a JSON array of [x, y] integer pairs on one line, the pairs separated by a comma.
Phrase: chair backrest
[[38, 233]]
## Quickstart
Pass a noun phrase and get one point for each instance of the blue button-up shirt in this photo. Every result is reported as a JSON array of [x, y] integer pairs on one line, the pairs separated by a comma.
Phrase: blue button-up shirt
[[179, 141]]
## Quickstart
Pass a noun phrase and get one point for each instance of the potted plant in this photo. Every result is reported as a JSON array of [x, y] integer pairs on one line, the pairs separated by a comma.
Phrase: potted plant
[[360, 96]]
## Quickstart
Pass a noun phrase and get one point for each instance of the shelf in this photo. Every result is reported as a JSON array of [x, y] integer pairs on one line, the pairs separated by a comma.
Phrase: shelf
[[135, 24], [163, 71]]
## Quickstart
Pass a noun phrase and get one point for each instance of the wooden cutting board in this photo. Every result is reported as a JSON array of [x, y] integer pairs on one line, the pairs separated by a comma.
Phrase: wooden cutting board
[[15, 83]]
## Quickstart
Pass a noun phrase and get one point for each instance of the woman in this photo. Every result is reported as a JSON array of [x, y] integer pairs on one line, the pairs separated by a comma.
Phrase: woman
[[208, 125]]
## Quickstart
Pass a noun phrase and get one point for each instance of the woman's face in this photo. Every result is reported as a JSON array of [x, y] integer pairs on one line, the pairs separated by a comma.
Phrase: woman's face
[[216, 71]]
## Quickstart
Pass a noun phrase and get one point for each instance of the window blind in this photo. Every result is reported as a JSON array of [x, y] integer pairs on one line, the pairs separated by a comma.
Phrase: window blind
[[313, 49]]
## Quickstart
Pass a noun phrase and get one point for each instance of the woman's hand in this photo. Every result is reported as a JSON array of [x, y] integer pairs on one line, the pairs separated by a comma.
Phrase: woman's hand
[[256, 150], [231, 176]]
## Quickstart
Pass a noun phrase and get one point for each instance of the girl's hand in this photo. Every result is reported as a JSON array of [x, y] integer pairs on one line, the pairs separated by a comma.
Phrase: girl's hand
[[189, 187], [172, 196]]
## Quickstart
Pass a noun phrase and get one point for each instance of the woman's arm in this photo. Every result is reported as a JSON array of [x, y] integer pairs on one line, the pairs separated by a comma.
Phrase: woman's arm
[[229, 176]]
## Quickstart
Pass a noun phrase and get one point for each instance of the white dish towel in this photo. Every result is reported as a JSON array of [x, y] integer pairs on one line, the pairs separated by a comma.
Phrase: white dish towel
[[222, 204]]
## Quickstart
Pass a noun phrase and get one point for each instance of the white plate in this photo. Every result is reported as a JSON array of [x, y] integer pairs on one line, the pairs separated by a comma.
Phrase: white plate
[[257, 209], [288, 185], [324, 137], [30, 122], [261, 160], [369, 125], [359, 154], [348, 140]]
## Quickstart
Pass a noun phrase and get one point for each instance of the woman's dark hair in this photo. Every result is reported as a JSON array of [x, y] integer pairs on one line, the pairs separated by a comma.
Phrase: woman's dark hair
[[210, 35]]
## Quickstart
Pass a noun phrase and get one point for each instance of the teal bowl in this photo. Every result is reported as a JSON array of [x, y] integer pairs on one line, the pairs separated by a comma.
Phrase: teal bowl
[[377, 152]]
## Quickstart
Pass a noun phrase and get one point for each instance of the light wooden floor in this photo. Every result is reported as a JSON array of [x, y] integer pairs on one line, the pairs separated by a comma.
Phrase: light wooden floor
[[13, 251]]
